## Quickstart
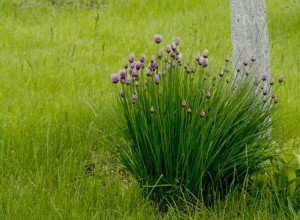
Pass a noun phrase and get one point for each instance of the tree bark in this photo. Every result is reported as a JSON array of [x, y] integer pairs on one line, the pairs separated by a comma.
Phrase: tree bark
[[249, 34]]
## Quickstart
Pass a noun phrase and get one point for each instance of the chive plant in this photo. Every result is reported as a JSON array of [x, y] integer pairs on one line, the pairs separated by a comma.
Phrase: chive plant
[[191, 133]]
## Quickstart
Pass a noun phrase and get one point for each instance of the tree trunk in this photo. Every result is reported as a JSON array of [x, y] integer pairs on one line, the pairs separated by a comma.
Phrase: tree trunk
[[249, 34]]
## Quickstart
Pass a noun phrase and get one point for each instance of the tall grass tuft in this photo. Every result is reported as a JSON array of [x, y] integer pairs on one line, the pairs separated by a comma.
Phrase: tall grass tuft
[[191, 133]]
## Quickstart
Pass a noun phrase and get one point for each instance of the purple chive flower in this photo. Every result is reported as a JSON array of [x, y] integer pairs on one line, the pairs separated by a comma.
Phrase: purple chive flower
[[280, 79], [122, 93], [157, 38], [201, 61], [202, 113], [174, 47], [253, 58], [173, 54], [154, 65], [148, 72], [132, 65], [131, 58], [179, 57], [135, 72], [160, 54], [189, 110], [115, 78], [205, 53], [122, 80], [205, 62], [138, 65], [177, 41], [128, 80], [183, 103], [134, 98], [198, 57], [143, 58], [122, 74], [152, 109], [157, 79], [168, 49], [245, 62]]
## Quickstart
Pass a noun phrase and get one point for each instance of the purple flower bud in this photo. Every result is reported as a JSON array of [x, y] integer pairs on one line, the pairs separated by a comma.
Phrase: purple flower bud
[[168, 49], [148, 72], [201, 61], [245, 62], [179, 57], [183, 103], [132, 65], [227, 59], [115, 78], [131, 58], [157, 79], [152, 109], [189, 110], [173, 54], [205, 53], [154, 65], [205, 62], [134, 98], [160, 54], [253, 58], [198, 57], [208, 95], [122, 93], [143, 58], [122, 74], [157, 38], [122, 80], [135, 72], [126, 65], [138, 65], [280, 79], [173, 47], [202, 113], [128, 80], [176, 41]]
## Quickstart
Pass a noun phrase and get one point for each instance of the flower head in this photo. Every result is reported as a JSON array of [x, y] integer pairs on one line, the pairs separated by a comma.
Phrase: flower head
[[157, 79], [122, 93], [157, 38], [131, 58], [202, 113], [143, 58], [115, 78], [122, 74], [134, 98], [152, 109], [183, 103], [189, 110], [205, 53]]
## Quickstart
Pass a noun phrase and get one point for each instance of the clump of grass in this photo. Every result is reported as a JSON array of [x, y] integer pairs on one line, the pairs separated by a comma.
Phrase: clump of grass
[[192, 133]]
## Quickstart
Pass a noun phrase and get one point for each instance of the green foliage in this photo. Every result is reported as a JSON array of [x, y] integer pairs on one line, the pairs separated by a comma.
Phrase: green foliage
[[189, 131]]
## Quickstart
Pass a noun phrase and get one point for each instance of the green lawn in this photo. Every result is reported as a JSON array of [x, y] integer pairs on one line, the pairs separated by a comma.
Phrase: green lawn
[[56, 100]]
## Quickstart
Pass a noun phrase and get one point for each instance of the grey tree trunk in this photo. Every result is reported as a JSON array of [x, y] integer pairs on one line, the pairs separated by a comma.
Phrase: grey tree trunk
[[249, 34]]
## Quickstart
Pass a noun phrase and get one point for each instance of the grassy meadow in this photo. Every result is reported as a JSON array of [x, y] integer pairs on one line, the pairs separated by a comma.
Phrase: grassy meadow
[[57, 100]]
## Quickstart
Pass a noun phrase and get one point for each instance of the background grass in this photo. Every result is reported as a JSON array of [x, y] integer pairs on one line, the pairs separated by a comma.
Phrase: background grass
[[56, 58]]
